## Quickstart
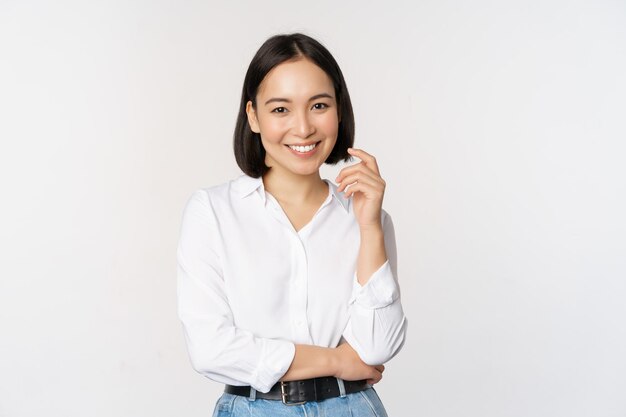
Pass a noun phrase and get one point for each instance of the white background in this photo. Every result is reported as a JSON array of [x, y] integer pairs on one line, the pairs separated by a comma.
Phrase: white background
[[499, 127]]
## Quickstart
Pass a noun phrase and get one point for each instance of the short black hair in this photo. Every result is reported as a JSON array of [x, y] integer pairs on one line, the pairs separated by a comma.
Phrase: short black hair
[[249, 151]]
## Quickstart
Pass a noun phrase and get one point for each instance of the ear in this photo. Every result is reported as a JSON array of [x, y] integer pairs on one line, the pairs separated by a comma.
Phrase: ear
[[252, 119]]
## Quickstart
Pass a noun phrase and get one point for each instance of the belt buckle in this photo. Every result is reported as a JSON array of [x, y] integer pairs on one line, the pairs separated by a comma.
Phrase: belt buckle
[[284, 396]]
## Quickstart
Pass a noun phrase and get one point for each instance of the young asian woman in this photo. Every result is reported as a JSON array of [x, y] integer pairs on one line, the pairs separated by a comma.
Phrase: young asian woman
[[287, 283]]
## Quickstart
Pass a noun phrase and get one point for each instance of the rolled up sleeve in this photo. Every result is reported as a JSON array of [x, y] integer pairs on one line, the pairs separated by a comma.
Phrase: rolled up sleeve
[[217, 348], [377, 325]]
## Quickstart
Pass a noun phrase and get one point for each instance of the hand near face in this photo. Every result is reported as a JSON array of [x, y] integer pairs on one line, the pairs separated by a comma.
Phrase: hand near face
[[363, 183]]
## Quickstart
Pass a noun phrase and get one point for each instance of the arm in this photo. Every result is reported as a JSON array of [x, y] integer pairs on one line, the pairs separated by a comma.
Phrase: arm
[[341, 362], [372, 253], [377, 325], [217, 348]]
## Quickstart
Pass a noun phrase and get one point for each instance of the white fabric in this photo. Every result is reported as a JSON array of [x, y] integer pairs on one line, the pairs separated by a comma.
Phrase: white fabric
[[250, 287]]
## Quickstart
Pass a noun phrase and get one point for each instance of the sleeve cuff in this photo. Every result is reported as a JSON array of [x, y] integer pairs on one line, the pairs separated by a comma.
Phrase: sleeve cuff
[[275, 360], [379, 291]]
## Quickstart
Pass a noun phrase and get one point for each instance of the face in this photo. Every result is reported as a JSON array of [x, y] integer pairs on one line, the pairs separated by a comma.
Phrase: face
[[296, 116]]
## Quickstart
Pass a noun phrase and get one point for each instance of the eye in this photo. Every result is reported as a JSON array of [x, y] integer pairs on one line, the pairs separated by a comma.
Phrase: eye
[[320, 106], [279, 110]]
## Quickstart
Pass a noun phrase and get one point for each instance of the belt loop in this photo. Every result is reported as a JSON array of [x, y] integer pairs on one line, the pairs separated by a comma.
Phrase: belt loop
[[342, 387], [252, 394]]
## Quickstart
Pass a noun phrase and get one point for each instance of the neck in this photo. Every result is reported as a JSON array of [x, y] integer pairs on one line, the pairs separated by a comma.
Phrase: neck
[[293, 188]]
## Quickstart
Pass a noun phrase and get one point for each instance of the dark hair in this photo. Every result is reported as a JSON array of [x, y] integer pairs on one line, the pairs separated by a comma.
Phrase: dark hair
[[249, 151]]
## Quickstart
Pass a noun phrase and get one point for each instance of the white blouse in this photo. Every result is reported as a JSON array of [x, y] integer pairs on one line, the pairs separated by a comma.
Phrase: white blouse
[[250, 286]]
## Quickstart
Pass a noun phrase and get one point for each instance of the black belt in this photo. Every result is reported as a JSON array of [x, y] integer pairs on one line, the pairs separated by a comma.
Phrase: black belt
[[299, 392]]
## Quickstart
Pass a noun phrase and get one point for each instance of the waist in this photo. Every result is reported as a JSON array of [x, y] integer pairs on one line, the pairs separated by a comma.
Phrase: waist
[[302, 391]]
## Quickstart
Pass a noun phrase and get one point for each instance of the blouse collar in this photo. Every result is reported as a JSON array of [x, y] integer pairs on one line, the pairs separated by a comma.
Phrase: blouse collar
[[247, 185]]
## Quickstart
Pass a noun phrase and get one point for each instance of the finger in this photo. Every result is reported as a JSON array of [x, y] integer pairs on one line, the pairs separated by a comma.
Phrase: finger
[[376, 379], [360, 167], [372, 190], [365, 157], [380, 368], [366, 189], [348, 177], [362, 177]]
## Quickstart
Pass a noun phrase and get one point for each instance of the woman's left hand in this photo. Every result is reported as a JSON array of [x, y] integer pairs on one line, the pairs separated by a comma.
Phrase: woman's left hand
[[363, 183]]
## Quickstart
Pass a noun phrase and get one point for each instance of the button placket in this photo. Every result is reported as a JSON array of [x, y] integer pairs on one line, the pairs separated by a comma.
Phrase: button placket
[[298, 285], [300, 291], [297, 300]]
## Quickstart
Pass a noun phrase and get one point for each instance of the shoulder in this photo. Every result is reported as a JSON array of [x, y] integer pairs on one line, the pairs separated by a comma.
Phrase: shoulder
[[220, 197], [234, 187]]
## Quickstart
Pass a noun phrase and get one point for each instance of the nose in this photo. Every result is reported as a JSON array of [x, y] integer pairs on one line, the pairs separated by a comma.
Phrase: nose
[[303, 126]]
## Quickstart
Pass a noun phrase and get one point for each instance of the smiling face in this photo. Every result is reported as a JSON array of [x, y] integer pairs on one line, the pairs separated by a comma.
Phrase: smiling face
[[296, 116]]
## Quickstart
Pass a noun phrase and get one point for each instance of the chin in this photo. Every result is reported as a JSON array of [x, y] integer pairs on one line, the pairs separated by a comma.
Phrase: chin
[[305, 172]]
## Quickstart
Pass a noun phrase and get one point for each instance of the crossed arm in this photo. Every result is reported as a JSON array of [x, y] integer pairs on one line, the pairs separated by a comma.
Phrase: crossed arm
[[225, 353]]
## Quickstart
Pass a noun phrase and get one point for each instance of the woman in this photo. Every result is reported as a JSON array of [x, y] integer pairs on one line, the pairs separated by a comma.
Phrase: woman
[[287, 282]]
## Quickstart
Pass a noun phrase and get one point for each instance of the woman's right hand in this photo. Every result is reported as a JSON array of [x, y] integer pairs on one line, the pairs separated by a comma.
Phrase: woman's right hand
[[350, 367]]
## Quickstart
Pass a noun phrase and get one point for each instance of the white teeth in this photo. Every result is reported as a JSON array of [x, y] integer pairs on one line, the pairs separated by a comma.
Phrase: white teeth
[[303, 148]]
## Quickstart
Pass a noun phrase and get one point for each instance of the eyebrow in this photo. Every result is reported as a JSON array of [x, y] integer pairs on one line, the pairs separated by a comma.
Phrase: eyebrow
[[286, 100]]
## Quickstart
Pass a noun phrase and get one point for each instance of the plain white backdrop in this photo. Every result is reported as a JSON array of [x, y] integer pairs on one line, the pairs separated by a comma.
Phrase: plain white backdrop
[[499, 127]]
